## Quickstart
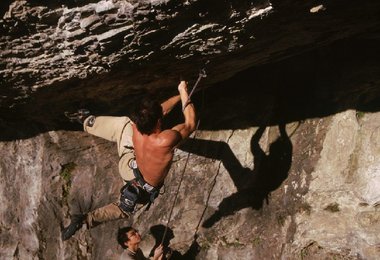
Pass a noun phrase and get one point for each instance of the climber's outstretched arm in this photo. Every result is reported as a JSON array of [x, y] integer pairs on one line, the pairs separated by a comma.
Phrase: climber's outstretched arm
[[186, 128], [168, 105]]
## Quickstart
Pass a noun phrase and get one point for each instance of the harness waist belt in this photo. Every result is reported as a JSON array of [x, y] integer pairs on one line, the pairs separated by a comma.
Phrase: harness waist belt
[[140, 179]]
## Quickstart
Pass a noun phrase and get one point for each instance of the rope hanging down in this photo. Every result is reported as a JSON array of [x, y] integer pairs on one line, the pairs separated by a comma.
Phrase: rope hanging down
[[202, 74]]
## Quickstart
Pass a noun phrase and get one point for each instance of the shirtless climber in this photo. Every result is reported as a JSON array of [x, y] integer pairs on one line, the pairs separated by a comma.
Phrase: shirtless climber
[[145, 154]]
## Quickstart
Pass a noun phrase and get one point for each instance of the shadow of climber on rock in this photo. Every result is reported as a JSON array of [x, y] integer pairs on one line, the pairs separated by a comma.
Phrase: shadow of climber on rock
[[253, 186], [158, 232]]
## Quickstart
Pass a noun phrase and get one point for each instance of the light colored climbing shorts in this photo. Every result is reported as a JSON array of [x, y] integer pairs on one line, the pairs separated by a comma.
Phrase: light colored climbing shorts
[[115, 129]]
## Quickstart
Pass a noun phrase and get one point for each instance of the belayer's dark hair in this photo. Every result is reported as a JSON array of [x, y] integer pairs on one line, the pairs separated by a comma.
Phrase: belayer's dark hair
[[146, 114], [122, 236]]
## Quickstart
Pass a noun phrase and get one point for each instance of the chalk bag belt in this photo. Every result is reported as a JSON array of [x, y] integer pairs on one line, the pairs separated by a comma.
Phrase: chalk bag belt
[[153, 191]]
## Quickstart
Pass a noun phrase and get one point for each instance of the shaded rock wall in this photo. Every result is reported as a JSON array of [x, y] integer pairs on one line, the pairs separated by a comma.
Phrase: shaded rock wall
[[99, 53]]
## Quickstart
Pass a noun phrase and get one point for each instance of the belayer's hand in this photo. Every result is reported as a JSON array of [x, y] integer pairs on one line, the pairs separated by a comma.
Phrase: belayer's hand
[[158, 253]]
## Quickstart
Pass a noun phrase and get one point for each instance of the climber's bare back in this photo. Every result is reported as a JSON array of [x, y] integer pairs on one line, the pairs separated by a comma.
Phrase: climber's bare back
[[154, 154]]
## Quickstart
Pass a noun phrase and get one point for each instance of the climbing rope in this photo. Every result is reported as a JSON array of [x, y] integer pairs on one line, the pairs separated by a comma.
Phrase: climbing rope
[[210, 190], [177, 191], [202, 74]]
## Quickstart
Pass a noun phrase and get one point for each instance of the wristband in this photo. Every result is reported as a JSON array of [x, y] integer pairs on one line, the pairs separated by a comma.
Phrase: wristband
[[186, 104]]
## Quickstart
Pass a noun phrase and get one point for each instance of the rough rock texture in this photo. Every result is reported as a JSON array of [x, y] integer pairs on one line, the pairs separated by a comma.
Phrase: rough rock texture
[[344, 210], [122, 48], [312, 194], [285, 164]]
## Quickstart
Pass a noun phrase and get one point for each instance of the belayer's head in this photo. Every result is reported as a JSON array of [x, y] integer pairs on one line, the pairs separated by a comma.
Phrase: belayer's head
[[147, 114], [128, 237]]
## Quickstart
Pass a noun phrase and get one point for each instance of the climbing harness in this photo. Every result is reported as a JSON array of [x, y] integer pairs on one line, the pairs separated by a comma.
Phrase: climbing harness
[[152, 191], [137, 191], [202, 74]]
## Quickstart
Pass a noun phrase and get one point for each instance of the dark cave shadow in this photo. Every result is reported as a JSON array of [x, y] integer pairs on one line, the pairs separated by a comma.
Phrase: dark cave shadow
[[4, 7], [315, 84], [158, 232], [253, 186]]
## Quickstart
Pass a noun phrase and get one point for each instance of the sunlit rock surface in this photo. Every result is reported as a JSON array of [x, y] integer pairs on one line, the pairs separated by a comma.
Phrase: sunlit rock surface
[[314, 192]]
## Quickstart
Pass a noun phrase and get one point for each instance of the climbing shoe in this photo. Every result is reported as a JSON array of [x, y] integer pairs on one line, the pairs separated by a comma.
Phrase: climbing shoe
[[78, 116], [75, 225]]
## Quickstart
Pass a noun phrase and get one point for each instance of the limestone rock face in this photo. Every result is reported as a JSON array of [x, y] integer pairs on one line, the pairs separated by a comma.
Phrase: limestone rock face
[[285, 163], [313, 192], [345, 209]]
